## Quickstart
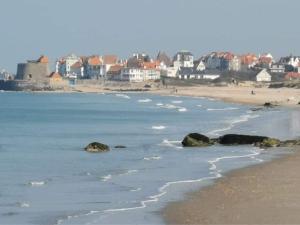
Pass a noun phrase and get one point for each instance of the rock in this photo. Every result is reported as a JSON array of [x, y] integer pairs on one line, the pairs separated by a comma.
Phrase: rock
[[270, 105], [120, 146], [96, 147], [256, 109], [237, 139], [269, 143], [196, 140], [290, 143]]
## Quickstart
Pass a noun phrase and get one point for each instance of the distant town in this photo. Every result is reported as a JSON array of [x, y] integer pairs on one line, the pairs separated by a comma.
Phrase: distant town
[[140, 67]]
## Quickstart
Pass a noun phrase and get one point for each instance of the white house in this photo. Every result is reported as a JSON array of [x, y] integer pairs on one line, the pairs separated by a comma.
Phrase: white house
[[139, 74], [263, 76], [172, 71], [70, 66], [183, 59]]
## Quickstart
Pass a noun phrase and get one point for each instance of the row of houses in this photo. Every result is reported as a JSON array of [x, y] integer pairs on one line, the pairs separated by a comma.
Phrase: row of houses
[[141, 67]]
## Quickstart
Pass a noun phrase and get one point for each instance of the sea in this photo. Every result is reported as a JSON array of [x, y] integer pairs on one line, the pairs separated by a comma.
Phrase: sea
[[47, 178]]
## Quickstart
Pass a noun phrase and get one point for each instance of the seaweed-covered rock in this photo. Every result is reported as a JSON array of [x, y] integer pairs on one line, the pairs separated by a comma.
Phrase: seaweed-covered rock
[[239, 139], [290, 143], [96, 147], [196, 140], [270, 143]]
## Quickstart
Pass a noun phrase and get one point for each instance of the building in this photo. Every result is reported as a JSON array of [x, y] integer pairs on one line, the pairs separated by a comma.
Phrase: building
[[290, 60], [34, 70], [277, 68], [199, 65], [4, 75], [248, 61], [93, 67], [292, 76], [114, 72], [56, 80], [265, 61], [164, 58], [183, 59], [70, 66], [263, 76], [139, 74]]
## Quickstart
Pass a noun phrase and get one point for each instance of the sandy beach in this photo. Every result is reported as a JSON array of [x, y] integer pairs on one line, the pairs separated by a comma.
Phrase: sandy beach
[[263, 194], [231, 93]]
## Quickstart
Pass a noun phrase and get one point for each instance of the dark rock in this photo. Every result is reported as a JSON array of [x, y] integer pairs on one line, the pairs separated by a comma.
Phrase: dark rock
[[120, 146], [147, 86], [196, 140], [96, 147], [256, 109], [238, 139]]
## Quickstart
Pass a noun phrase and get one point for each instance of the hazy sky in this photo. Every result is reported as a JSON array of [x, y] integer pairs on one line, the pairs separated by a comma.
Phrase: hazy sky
[[55, 28]]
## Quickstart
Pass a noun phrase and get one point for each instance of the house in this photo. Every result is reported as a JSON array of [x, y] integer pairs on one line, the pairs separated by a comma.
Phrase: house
[[199, 65], [34, 70], [70, 66], [56, 80], [290, 60], [263, 76], [277, 68], [162, 57], [139, 74], [114, 72], [212, 61], [172, 71], [4, 75], [248, 61], [137, 60], [93, 67], [191, 73], [292, 76], [183, 59], [265, 61]]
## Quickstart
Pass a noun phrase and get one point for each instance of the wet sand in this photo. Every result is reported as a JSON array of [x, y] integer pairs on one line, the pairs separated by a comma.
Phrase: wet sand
[[265, 194]]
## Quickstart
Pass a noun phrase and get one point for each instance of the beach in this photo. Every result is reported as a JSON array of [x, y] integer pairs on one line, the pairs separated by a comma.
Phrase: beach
[[230, 93], [263, 194]]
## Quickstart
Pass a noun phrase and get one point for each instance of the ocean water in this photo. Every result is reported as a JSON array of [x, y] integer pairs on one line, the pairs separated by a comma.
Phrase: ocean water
[[47, 178]]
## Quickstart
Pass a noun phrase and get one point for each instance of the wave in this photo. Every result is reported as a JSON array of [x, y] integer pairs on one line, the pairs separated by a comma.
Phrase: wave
[[159, 104], [123, 96], [223, 109], [214, 174], [106, 178], [37, 183], [145, 100], [176, 102], [182, 109], [152, 158], [173, 144], [199, 105], [158, 127], [232, 123], [135, 190], [23, 205]]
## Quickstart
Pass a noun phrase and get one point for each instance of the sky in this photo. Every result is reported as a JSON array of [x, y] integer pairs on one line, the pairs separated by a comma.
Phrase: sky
[[30, 28]]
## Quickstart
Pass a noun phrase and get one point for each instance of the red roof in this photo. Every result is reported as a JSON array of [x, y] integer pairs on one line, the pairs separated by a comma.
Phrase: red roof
[[77, 65], [94, 61], [43, 59], [110, 59], [292, 75]]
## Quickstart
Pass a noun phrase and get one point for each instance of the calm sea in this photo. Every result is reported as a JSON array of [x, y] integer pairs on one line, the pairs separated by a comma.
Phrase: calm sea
[[47, 178]]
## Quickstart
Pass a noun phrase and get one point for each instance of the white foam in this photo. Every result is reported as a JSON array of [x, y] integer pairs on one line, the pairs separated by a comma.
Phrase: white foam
[[123, 96], [152, 158], [182, 109], [158, 127], [169, 106], [223, 109], [145, 100], [176, 102], [37, 183], [135, 190], [173, 144], [106, 178], [199, 105], [24, 205], [159, 104]]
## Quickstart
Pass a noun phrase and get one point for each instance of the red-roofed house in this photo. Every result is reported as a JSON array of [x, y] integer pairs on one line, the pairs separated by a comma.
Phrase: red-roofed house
[[292, 76]]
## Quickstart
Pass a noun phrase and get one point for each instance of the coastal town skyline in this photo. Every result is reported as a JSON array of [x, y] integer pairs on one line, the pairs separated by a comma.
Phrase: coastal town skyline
[[247, 28]]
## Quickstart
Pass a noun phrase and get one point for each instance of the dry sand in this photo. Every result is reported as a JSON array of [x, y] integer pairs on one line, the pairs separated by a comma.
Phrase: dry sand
[[237, 94], [264, 194]]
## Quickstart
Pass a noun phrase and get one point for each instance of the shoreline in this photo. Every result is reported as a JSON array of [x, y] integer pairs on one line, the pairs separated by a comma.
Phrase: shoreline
[[258, 194], [289, 97]]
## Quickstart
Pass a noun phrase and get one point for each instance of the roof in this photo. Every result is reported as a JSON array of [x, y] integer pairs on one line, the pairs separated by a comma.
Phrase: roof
[[292, 75], [77, 65], [248, 59], [54, 74], [188, 71], [94, 61], [163, 57], [110, 59], [115, 69], [151, 65], [43, 59]]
